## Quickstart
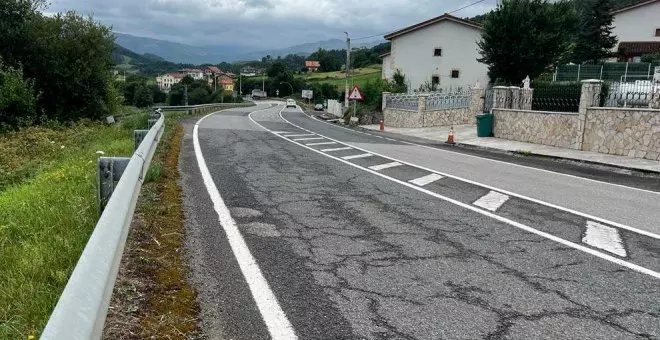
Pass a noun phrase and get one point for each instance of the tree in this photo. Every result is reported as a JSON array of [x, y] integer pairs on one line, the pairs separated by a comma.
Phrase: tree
[[594, 40], [525, 38], [143, 97], [330, 60], [651, 58], [18, 100]]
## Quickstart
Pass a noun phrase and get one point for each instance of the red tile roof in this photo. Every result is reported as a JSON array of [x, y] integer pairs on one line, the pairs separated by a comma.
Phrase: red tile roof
[[636, 48], [312, 63], [214, 69], [176, 75]]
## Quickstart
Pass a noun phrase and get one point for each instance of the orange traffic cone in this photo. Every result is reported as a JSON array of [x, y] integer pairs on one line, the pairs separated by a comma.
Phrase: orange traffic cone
[[450, 139]]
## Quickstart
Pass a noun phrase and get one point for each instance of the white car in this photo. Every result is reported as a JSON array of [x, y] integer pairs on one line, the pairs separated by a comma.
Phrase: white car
[[290, 103]]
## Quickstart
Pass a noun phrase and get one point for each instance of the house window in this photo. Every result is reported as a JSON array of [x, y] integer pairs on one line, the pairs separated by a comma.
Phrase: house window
[[455, 73], [657, 32], [435, 80], [437, 52]]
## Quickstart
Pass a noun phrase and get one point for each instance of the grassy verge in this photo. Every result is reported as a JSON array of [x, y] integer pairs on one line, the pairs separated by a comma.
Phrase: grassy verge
[[47, 212], [48, 209], [361, 77]]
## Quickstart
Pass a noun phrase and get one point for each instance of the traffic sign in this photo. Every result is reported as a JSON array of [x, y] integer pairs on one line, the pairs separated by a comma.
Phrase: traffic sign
[[356, 94]]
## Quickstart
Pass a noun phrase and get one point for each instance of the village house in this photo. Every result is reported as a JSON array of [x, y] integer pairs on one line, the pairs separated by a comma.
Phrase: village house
[[312, 65], [438, 53], [194, 73], [638, 29], [226, 83], [165, 82]]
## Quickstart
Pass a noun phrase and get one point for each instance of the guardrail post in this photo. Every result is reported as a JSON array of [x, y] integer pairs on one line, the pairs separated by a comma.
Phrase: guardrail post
[[151, 122], [139, 137], [109, 172]]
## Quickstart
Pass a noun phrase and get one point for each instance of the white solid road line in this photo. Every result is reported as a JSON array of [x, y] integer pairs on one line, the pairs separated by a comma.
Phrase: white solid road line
[[336, 149], [424, 180], [518, 225], [276, 321], [510, 193], [384, 166], [309, 138], [322, 143], [491, 201], [362, 155], [604, 237], [300, 135], [278, 132]]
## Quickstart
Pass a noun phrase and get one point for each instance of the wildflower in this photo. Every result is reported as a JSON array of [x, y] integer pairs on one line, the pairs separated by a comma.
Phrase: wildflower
[[62, 147], [100, 152]]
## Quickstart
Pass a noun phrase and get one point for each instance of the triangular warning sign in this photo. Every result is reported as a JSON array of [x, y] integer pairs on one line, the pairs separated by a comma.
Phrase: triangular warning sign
[[356, 94]]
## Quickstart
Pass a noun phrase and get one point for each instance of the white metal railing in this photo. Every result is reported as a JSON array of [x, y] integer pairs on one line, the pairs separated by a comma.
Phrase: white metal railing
[[402, 101], [450, 99]]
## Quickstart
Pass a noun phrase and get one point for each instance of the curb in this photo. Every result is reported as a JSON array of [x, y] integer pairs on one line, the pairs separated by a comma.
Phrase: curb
[[580, 162]]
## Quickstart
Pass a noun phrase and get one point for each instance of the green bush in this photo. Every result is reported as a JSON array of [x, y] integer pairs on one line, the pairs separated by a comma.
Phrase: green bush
[[17, 99]]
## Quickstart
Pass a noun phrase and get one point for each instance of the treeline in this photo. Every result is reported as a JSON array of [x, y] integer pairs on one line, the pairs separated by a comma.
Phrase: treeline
[[53, 68]]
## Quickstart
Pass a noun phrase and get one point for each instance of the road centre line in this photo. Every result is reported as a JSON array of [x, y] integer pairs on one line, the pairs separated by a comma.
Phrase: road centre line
[[513, 194], [486, 213], [384, 166], [336, 149], [274, 317], [490, 159], [362, 155]]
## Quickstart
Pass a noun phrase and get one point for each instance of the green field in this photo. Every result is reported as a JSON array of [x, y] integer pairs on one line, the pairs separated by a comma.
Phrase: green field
[[360, 77]]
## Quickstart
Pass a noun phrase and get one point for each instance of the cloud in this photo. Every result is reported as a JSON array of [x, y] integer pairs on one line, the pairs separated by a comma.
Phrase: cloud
[[262, 23]]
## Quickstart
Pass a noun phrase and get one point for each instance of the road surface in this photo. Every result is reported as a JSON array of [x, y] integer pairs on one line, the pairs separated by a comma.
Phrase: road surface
[[301, 229]]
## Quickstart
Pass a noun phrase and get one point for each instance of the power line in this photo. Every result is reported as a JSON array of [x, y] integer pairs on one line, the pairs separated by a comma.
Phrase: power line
[[454, 11]]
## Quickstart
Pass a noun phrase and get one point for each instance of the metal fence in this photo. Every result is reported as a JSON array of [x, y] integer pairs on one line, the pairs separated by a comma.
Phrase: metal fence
[[558, 98], [450, 99], [402, 101], [82, 308], [618, 72], [638, 94]]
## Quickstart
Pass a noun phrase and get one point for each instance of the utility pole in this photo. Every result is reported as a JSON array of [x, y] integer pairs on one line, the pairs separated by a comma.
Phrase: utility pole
[[185, 95], [347, 67], [240, 83]]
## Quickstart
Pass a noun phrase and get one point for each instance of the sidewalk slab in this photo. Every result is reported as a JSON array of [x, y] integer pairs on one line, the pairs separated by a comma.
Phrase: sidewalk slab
[[466, 136]]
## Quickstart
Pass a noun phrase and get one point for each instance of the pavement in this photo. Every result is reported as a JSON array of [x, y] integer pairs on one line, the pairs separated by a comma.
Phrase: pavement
[[298, 228], [466, 135]]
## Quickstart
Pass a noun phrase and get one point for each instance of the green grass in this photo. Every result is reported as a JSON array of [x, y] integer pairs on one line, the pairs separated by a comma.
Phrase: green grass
[[47, 213], [337, 79]]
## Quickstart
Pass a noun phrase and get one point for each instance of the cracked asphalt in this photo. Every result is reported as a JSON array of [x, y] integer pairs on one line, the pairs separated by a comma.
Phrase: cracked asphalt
[[353, 255]]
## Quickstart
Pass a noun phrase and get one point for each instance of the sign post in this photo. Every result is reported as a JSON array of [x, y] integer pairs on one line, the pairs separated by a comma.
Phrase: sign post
[[356, 96]]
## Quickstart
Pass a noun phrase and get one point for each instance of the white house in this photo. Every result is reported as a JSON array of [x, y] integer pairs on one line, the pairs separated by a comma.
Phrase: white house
[[166, 81], [194, 73], [638, 29], [441, 52]]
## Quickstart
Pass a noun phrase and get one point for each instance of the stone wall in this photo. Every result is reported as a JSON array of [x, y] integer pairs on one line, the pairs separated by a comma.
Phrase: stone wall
[[402, 118], [548, 128], [621, 131], [446, 117]]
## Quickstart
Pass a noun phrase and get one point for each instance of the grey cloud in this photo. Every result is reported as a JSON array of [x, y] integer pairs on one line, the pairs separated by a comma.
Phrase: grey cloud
[[262, 23]]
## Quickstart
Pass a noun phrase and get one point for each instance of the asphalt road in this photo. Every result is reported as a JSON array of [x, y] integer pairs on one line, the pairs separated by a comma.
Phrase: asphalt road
[[297, 228]]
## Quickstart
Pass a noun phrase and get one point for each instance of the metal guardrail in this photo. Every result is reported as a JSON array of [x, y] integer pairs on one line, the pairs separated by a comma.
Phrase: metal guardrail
[[199, 107], [82, 308]]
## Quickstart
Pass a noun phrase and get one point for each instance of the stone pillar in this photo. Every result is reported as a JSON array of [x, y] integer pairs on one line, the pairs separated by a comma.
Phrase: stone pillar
[[526, 96], [501, 97], [421, 106], [477, 101], [589, 97], [384, 104], [515, 97]]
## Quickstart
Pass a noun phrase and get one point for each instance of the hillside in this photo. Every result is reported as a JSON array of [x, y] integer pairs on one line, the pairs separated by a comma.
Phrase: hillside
[[360, 77], [146, 64]]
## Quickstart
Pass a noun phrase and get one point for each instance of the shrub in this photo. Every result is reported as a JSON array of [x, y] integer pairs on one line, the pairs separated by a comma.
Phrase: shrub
[[17, 99]]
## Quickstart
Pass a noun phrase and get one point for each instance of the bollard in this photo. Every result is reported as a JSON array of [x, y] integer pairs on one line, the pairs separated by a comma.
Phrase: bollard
[[382, 125]]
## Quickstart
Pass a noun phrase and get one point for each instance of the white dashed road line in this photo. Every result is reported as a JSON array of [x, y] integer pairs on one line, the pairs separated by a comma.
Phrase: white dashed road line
[[605, 238], [424, 180], [337, 149], [310, 138], [384, 166], [322, 143], [492, 200], [362, 155], [300, 135]]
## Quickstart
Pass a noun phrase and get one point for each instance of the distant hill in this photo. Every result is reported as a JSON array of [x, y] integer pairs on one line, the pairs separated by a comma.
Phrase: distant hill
[[182, 53], [147, 64]]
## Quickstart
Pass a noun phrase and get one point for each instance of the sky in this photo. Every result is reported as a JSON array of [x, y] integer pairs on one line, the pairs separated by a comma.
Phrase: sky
[[263, 23]]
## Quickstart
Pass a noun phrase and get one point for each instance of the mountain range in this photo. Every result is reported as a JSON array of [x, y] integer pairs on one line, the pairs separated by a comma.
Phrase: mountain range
[[189, 54]]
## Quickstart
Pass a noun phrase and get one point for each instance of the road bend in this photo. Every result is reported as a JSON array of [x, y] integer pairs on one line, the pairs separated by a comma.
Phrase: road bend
[[302, 229]]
